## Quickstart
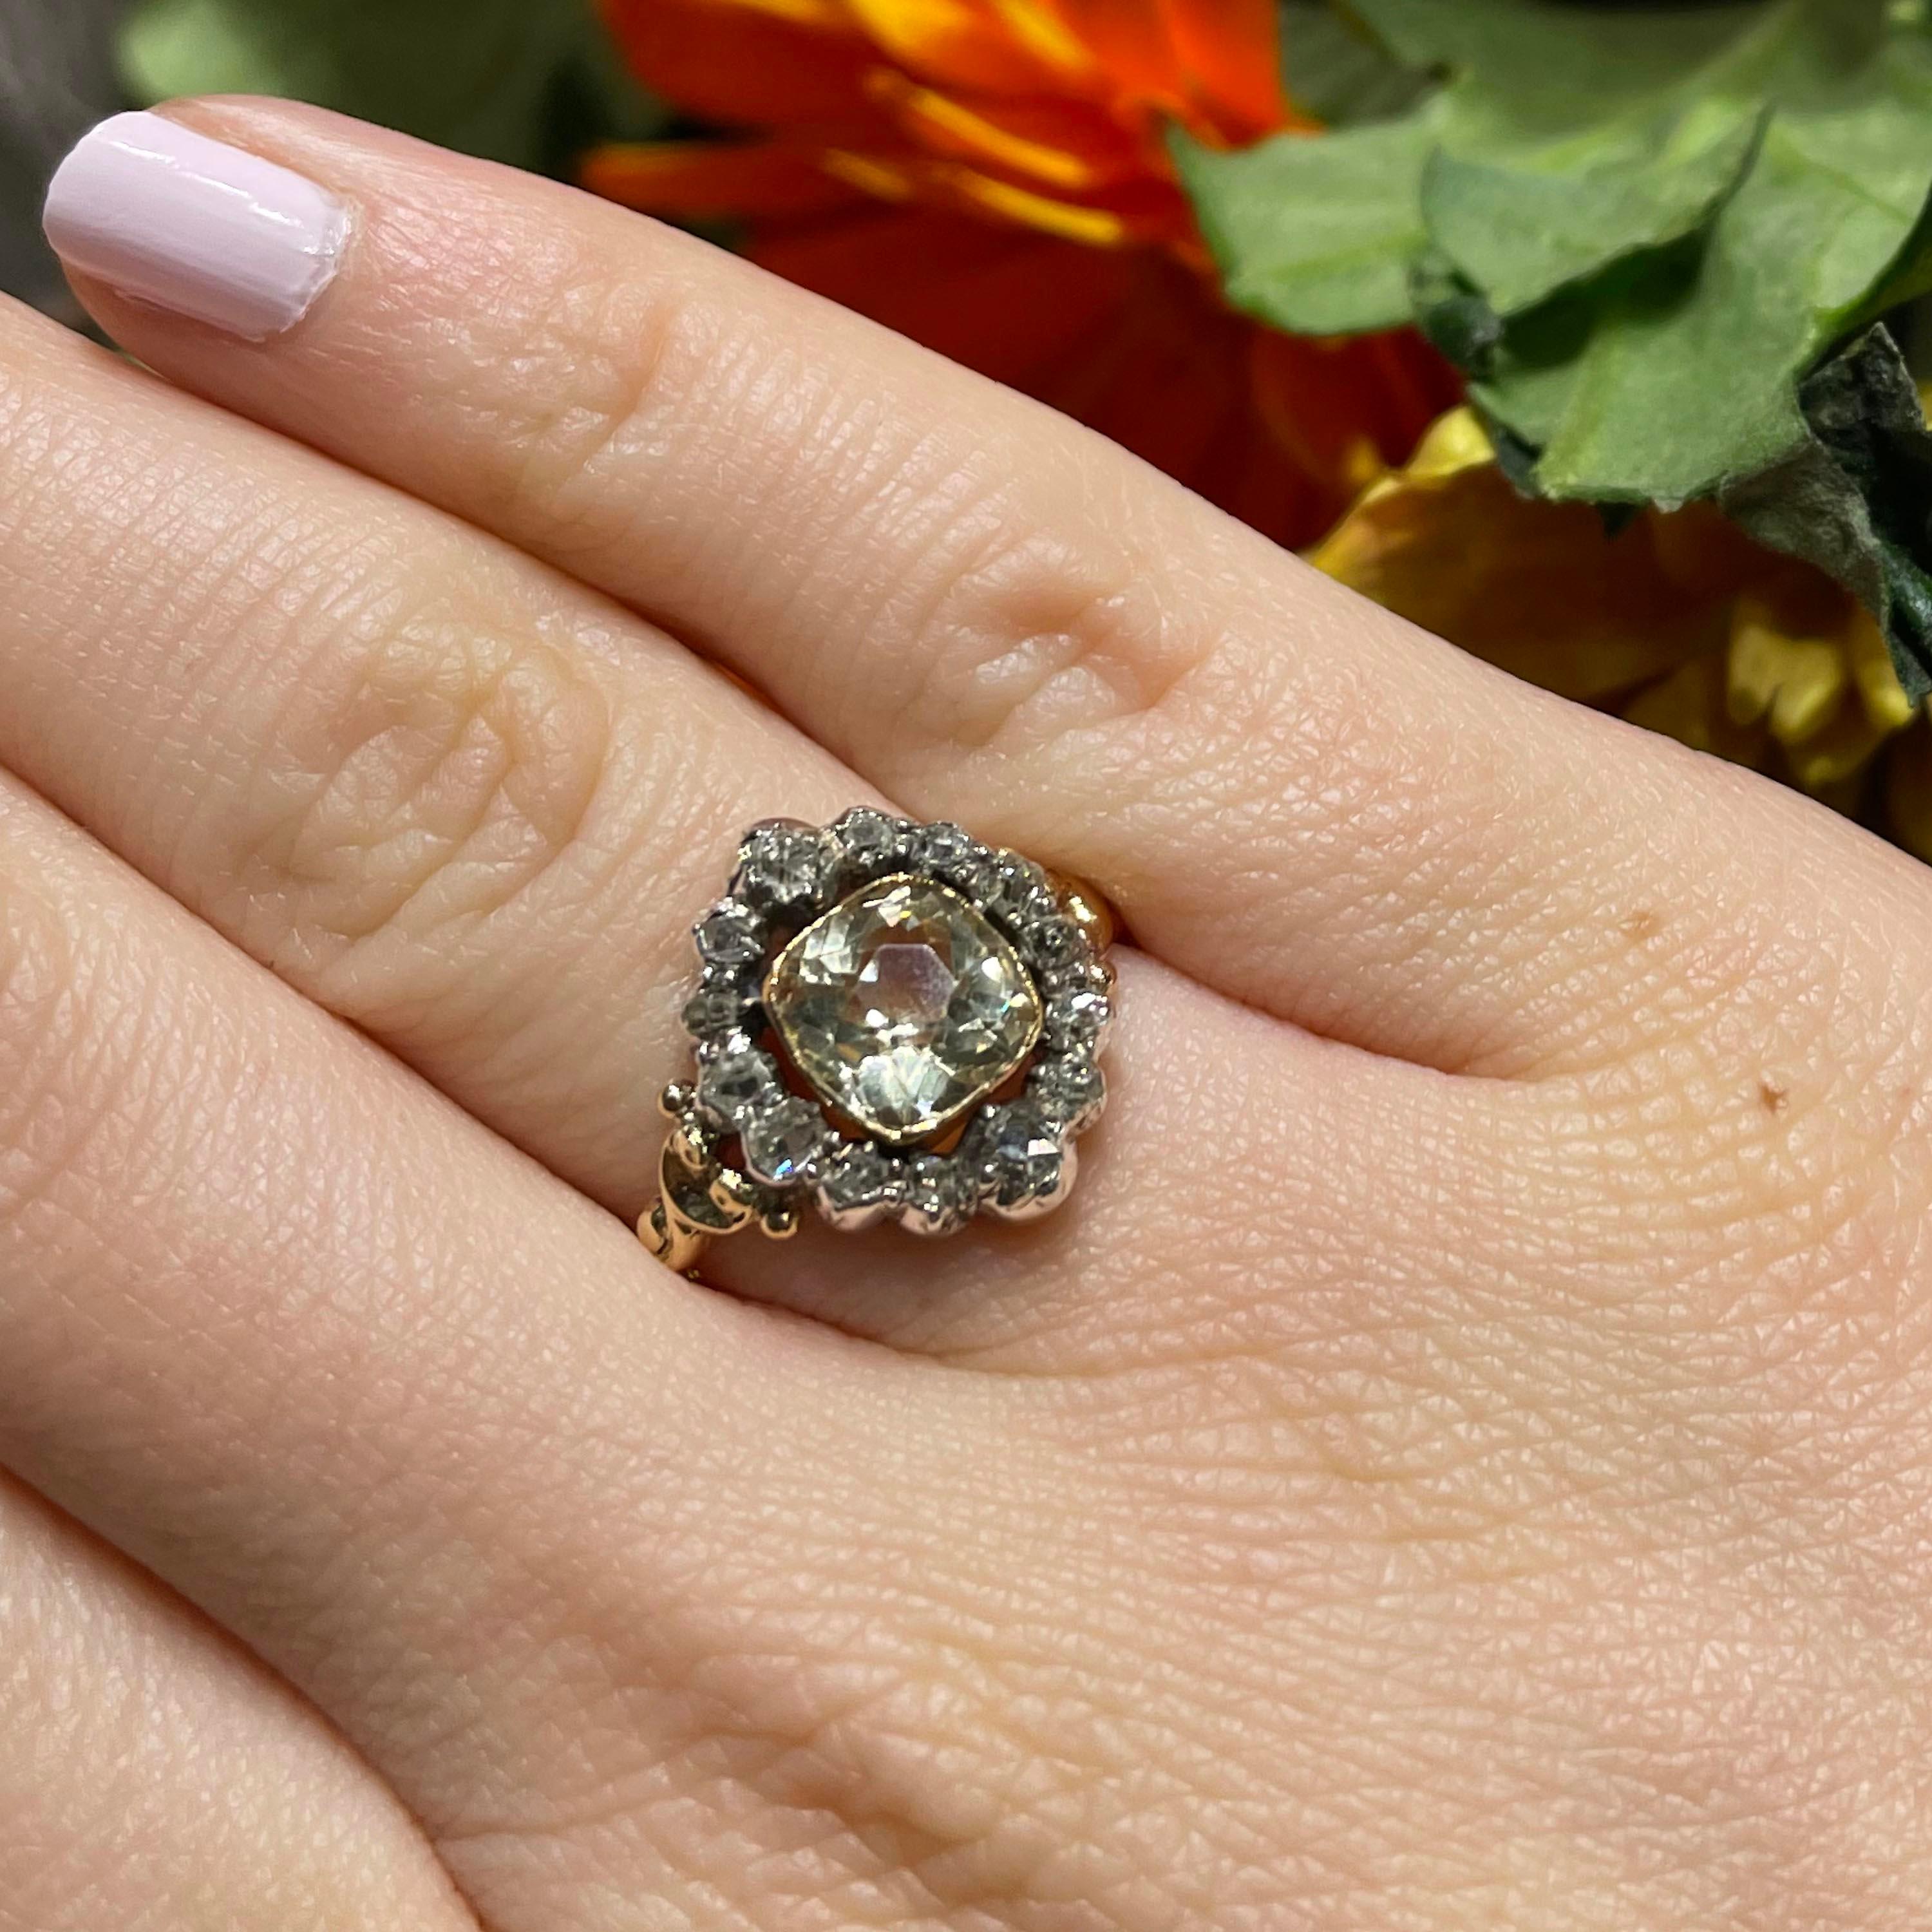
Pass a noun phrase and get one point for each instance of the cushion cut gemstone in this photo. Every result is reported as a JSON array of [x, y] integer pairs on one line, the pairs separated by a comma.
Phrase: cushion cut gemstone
[[903, 1007]]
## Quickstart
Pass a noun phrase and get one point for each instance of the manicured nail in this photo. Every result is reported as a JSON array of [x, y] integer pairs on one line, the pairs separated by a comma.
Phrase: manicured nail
[[167, 216]]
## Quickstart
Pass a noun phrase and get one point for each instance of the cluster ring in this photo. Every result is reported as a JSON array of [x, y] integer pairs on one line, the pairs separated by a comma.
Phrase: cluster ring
[[893, 1022]]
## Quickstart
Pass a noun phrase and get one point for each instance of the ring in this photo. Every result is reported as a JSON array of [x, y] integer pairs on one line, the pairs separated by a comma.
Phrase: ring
[[893, 1022]]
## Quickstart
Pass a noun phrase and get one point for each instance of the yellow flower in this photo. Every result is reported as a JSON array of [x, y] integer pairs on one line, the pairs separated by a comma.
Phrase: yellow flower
[[1677, 622]]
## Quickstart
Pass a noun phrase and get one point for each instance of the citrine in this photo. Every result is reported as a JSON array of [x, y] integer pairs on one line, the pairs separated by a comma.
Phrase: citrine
[[902, 1007]]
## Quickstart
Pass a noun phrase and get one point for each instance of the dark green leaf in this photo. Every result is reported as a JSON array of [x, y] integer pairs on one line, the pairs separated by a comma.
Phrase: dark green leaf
[[1455, 317], [1854, 495], [1687, 379], [1535, 69], [499, 78], [1338, 71], [1565, 140]]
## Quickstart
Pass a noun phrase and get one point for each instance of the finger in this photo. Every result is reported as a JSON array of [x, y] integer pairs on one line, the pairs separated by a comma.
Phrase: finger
[[153, 1776], [464, 804], [551, 1535], [988, 612], [473, 809]]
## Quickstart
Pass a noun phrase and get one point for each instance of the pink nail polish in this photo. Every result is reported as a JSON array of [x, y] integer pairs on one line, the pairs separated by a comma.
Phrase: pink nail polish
[[167, 216]]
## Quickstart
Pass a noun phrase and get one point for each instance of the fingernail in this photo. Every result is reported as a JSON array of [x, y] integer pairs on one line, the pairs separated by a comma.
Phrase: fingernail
[[167, 216]]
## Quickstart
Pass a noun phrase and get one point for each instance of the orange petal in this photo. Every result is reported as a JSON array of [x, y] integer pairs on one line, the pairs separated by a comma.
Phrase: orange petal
[[1008, 302], [1066, 144], [957, 43], [1123, 341], [1231, 51], [1168, 381], [704, 177], [1212, 65], [1128, 41], [745, 66], [1346, 408]]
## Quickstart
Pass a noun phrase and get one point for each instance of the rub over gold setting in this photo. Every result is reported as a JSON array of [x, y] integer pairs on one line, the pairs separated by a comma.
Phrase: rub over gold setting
[[893, 1022]]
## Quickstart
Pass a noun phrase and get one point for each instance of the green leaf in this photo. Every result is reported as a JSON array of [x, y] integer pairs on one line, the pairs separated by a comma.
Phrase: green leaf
[[1337, 71], [1687, 374], [1854, 495], [1564, 140], [1532, 69], [488, 77], [1521, 229], [1315, 234]]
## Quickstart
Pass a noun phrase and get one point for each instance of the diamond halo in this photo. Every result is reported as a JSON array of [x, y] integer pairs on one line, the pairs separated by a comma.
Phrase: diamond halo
[[893, 1022]]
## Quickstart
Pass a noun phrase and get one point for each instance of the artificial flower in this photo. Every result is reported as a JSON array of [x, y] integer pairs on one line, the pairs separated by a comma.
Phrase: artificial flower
[[992, 177]]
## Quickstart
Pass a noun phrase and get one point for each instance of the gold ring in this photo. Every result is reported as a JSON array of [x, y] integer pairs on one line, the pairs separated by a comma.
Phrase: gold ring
[[893, 1022]]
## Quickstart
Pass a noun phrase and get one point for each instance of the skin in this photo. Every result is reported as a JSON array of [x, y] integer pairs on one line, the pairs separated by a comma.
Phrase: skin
[[1463, 1459]]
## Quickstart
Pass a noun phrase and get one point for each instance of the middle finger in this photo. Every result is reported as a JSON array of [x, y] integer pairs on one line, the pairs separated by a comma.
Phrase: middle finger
[[473, 807]]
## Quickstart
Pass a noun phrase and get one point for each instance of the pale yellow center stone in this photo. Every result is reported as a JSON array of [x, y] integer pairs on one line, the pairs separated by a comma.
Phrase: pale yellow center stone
[[903, 1007]]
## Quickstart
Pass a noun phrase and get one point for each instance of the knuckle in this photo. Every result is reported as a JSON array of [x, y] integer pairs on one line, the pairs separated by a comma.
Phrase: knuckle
[[411, 789], [1025, 635], [603, 362]]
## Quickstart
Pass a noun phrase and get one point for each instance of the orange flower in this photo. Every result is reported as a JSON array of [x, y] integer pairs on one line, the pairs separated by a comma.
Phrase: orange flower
[[991, 177]]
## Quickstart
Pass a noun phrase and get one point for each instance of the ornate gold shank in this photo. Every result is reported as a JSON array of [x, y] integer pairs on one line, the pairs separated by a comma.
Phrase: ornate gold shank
[[699, 1198]]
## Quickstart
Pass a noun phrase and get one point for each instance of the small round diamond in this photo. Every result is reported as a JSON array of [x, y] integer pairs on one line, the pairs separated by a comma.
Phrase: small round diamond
[[734, 1081], [784, 1143], [872, 841], [1068, 1089], [946, 852], [1078, 1012], [730, 934], [940, 1196], [1053, 940], [1018, 892], [1026, 1164], [857, 1184], [719, 1004], [783, 865]]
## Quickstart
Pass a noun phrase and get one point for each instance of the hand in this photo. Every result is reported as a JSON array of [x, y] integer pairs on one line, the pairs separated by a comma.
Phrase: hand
[[1462, 1459]]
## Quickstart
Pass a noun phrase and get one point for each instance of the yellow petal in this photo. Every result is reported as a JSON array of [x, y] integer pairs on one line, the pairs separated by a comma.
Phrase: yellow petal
[[1794, 682], [888, 180], [1540, 588], [1885, 702], [1908, 792], [1837, 752], [1058, 167], [1044, 36], [1690, 706], [1093, 225]]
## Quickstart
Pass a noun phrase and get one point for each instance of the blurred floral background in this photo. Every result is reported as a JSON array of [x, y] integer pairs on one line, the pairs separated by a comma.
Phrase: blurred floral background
[[1580, 334]]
